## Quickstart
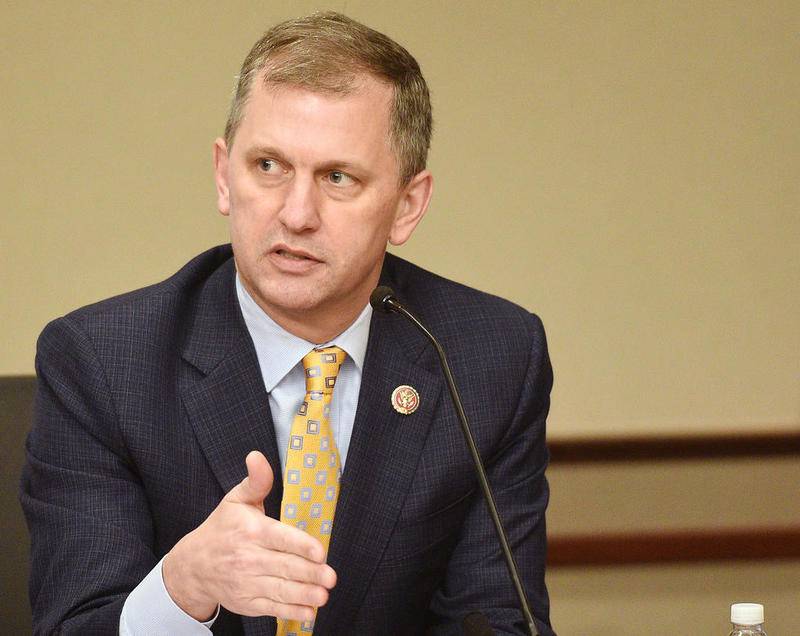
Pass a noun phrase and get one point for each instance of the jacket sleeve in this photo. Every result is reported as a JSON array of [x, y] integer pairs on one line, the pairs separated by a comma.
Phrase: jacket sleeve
[[88, 516], [477, 579]]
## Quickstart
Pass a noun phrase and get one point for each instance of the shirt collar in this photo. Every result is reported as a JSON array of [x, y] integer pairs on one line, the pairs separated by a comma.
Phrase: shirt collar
[[279, 351]]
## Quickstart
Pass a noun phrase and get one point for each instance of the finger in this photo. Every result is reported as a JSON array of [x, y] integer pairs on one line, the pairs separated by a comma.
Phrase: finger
[[290, 567], [295, 568], [288, 592], [285, 538], [254, 488], [268, 607]]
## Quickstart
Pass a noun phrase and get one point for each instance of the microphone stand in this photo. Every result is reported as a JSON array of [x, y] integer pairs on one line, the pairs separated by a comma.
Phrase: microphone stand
[[382, 298]]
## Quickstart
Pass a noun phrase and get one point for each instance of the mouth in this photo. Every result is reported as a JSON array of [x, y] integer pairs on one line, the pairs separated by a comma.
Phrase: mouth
[[293, 259], [297, 255]]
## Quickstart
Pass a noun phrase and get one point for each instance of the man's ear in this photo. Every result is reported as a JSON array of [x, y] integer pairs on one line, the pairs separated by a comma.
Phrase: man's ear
[[221, 176], [411, 207]]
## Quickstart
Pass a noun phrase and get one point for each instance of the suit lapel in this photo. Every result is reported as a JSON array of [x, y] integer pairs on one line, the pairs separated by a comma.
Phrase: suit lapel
[[381, 463], [226, 403]]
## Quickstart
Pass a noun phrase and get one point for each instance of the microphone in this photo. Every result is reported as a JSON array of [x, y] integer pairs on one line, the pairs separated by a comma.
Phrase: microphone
[[382, 299]]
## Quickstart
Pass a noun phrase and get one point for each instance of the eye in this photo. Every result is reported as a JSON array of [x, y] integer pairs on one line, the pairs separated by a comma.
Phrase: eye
[[338, 178], [269, 166]]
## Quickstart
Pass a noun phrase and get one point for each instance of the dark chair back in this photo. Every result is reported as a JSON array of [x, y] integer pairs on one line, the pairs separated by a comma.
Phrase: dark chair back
[[16, 408]]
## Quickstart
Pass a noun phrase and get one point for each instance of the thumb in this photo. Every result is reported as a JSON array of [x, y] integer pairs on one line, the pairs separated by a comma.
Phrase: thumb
[[254, 488]]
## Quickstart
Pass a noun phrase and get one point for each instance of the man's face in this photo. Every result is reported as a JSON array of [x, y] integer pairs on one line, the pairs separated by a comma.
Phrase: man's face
[[312, 192]]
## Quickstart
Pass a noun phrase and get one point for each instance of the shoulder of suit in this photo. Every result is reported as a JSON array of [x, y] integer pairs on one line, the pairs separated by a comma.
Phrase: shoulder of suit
[[452, 306], [445, 304], [424, 290], [147, 301]]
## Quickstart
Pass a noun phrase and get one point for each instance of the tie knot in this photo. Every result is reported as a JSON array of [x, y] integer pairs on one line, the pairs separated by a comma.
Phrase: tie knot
[[322, 368]]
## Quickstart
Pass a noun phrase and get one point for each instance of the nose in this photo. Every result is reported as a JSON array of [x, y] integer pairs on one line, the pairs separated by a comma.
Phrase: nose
[[300, 212]]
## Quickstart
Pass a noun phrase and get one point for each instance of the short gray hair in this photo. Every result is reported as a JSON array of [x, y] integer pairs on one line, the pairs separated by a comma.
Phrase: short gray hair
[[326, 52]]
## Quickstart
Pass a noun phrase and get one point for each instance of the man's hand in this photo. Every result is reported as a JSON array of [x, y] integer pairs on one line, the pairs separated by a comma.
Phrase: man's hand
[[248, 562]]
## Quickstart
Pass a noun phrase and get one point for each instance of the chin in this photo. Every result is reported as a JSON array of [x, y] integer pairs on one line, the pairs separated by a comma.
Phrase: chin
[[290, 299]]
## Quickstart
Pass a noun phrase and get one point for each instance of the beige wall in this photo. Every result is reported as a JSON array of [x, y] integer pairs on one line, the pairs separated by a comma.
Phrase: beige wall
[[628, 170]]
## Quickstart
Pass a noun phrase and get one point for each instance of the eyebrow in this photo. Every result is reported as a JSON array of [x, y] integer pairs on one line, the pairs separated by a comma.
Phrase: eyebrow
[[257, 151], [344, 166], [328, 165]]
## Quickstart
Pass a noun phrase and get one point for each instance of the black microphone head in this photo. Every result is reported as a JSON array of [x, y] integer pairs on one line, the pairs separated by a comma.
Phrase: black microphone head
[[379, 296]]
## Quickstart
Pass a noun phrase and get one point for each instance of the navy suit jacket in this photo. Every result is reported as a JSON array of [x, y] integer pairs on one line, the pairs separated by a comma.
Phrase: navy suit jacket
[[149, 402]]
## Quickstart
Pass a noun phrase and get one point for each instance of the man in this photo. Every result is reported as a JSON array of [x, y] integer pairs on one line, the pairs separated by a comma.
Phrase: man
[[171, 419]]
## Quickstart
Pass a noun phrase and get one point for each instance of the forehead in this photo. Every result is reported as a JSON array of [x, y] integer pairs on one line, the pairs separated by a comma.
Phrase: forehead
[[320, 124]]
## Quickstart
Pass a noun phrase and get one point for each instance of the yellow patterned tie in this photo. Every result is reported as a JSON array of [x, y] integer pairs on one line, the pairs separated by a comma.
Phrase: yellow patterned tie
[[313, 467]]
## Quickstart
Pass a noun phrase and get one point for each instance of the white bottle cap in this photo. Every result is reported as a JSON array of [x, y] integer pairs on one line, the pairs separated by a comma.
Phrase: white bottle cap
[[747, 613]]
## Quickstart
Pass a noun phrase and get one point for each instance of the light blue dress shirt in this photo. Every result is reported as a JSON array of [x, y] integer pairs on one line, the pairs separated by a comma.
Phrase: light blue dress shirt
[[279, 356], [149, 610]]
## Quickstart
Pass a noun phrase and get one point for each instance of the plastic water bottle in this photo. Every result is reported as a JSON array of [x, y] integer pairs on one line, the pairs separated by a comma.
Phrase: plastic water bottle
[[747, 619]]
